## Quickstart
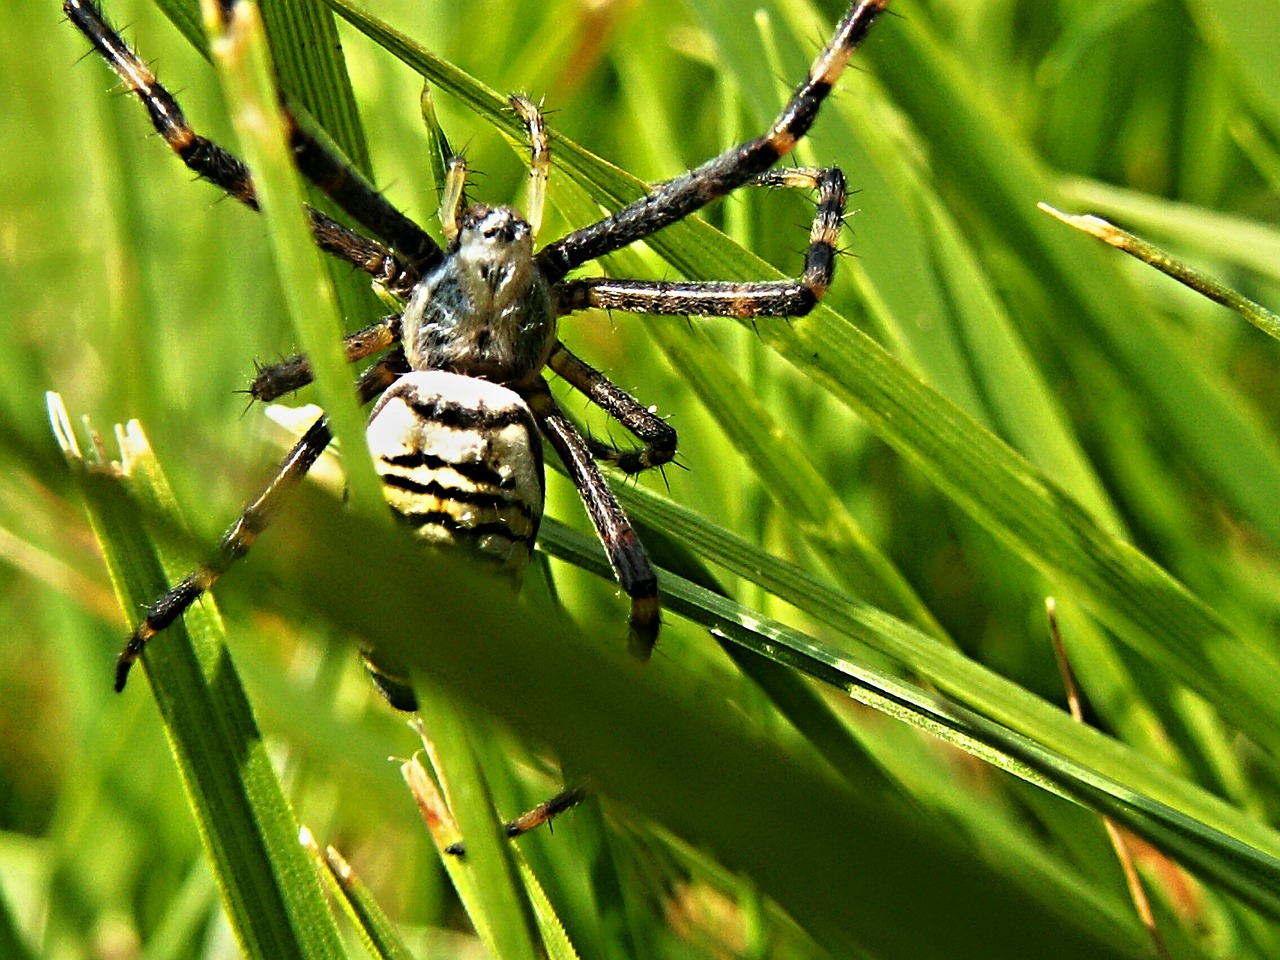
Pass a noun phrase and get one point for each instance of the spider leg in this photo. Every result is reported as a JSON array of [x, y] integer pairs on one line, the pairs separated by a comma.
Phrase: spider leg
[[542, 813], [676, 199], [373, 258], [212, 162], [540, 162], [342, 183], [252, 521], [658, 437], [768, 298], [277, 379], [453, 199], [626, 554]]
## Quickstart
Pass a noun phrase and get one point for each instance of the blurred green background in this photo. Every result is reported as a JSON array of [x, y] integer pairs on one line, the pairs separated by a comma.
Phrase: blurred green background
[[137, 294]]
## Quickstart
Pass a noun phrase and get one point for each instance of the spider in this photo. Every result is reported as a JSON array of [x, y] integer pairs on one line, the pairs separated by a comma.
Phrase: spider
[[462, 405]]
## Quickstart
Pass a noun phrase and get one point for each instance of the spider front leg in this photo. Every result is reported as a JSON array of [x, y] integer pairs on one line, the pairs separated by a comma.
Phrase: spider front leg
[[626, 554], [273, 381], [540, 157], [255, 518], [767, 298], [676, 199], [317, 162], [658, 437]]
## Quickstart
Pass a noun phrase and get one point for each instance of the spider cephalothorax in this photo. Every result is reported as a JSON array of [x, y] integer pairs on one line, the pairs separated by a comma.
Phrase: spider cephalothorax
[[486, 310], [456, 434]]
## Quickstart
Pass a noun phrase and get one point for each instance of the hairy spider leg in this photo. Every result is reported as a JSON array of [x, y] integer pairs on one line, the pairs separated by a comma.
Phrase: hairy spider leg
[[676, 199], [544, 812], [255, 518], [540, 161], [626, 553], [212, 162], [453, 198], [767, 298], [340, 181], [658, 437], [275, 380]]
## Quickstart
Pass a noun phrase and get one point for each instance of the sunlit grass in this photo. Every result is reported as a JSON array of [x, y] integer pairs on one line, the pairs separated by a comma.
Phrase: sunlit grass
[[138, 294]]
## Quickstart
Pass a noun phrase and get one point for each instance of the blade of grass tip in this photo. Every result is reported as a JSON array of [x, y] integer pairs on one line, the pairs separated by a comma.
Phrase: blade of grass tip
[[362, 908], [268, 888], [1184, 273], [1252, 244], [485, 878], [240, 53]]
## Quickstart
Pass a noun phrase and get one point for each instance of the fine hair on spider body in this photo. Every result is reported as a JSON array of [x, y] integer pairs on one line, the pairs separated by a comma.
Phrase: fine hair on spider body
[[462, 404]]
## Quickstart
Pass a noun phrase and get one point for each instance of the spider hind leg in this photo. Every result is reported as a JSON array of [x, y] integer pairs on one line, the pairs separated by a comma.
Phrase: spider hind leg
[[626, 553], [255, 518]]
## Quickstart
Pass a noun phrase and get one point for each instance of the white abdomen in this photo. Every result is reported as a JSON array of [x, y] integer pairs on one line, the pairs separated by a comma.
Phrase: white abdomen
[[461, 463]]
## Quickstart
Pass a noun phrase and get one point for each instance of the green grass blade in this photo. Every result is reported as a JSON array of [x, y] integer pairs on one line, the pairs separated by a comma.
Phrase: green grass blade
[[362, 908], [248, 82], [1179, 270], [972, 152], [626, 724], [1250, 243], [962, 679], [487, 879], [1220, 853], [268, 887]]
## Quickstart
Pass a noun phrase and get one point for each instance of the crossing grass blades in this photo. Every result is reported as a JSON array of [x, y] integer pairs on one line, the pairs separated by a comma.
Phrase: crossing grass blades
[[462, 405]]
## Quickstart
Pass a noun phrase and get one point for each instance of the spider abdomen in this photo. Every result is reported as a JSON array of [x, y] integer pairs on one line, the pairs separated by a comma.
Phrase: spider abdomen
[[461, 463]]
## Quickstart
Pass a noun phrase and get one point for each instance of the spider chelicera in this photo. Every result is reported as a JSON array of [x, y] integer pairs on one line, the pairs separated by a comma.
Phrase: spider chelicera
[[461, 399]]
